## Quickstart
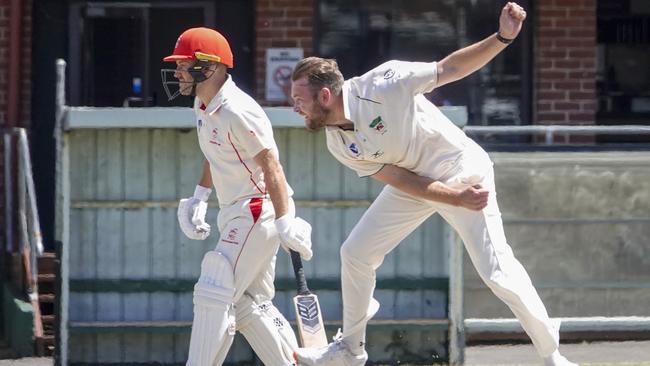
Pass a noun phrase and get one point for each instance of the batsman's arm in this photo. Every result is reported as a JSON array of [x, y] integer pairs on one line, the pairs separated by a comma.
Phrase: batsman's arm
[[206, 176], [276, 183], [473, 198], [465, 61]]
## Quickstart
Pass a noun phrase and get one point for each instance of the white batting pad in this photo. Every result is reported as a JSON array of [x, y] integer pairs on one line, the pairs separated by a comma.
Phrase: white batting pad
[[213, 323], [267, 331]]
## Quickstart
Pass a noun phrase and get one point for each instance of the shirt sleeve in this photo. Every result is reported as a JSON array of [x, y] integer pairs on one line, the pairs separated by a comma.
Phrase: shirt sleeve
[[252, 129], [414, 77]]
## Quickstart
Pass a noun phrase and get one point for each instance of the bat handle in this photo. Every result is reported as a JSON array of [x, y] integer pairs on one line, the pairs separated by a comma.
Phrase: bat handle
[[299, 272]]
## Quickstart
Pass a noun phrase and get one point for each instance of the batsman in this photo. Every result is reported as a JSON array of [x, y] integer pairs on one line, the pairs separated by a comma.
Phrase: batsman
[[256, 211], [381, 125]]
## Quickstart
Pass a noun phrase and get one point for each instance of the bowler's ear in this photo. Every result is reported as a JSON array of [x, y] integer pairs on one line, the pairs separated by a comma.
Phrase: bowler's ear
[[324, 95]]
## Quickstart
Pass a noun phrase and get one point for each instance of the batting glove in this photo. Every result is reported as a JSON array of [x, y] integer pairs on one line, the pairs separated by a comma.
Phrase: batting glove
[[295, 234], [191, 214]]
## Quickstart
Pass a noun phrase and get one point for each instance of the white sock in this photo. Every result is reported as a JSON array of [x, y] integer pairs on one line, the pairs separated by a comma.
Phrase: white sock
[[556, 359], [356, 342]]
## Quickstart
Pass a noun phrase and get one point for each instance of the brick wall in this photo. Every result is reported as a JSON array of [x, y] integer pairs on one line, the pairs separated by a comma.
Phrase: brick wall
[[280, 23], [4, 44], [26, 65], [25, 84], [565, 62]]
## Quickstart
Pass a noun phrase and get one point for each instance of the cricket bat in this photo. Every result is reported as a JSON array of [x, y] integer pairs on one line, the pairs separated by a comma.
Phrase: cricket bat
[[311, 329]]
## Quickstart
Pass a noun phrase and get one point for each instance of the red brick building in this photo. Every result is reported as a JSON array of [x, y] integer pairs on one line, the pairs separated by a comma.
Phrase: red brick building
[[571, 65], [15, 78]]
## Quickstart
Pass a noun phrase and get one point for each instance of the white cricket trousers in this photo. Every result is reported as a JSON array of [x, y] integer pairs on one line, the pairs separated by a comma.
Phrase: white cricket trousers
[[395, 214], [249, 241]]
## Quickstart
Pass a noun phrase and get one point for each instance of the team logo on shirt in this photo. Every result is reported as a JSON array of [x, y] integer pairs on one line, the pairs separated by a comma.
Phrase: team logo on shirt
[[389, 74], [378, 125], [355, 150], [231, 238]]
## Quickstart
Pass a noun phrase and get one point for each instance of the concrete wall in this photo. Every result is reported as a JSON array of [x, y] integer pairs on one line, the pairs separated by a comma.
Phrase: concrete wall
[[579, 223]]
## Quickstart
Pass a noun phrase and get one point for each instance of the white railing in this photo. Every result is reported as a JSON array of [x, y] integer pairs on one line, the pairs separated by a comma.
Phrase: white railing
[[551, 131]]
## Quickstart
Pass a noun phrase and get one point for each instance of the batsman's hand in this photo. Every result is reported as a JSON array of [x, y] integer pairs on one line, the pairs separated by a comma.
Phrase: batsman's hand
[[295, 234], [473, 198], [511, 19], [191, 214]]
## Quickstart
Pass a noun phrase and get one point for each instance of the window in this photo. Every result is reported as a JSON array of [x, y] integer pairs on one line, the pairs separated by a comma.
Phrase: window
[[116, 48], [362, 34], [623, 74]]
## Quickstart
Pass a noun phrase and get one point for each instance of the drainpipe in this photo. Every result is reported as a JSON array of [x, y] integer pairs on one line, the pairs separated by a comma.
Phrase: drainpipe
[[13, 77]]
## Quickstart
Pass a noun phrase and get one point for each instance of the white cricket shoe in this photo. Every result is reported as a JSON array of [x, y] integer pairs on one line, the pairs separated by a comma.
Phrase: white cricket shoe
[[556, 359], [334, 354]]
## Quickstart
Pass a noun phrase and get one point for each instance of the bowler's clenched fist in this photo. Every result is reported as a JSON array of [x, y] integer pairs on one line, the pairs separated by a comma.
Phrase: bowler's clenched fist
[[511, 20]]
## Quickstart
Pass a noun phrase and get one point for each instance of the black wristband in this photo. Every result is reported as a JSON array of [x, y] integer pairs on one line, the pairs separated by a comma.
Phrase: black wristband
[[503, 40]]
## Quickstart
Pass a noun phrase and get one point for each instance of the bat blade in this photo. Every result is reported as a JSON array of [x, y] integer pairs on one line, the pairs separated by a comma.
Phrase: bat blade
[[311, 328]]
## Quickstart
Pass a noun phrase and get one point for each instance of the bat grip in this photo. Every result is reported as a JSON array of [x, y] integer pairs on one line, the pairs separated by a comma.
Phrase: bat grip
[[299, 272]]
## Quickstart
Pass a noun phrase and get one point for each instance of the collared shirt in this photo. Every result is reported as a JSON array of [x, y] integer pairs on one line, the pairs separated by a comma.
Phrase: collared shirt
[[232, 129], [395, 124]]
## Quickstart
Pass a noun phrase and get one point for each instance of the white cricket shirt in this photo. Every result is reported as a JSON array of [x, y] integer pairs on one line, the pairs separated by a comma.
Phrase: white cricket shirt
[[395, 124], [232, 129]]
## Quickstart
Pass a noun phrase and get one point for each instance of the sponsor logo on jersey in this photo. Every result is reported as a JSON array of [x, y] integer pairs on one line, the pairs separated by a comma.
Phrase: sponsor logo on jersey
[[213, 138], [377, 154], [378, 125], [389, 74], [353, 147], [199, 124]]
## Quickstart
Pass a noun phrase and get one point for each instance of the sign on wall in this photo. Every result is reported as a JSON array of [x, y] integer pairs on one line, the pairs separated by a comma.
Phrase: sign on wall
[[279, 65]]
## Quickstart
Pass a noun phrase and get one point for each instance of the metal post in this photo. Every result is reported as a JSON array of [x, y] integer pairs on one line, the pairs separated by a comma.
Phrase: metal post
[[62, 202], [22, 218], [456, 321], [26, 166], [549, 136], [9, 223]]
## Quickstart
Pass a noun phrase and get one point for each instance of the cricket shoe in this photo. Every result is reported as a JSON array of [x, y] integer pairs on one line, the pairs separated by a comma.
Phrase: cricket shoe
[[334, 354]]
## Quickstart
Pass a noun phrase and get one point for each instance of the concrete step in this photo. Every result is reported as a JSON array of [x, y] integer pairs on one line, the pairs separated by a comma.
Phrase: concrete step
[[46, 282], [49, 324], [46, 298], [47, 263], [45, 345]]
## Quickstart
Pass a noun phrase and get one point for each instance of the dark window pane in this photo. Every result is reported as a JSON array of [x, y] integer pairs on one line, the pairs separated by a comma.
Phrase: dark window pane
[[622, 74], [363, 34]]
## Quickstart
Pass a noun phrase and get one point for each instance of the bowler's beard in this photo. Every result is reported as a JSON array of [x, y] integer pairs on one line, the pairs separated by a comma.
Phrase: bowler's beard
[[318, 118]]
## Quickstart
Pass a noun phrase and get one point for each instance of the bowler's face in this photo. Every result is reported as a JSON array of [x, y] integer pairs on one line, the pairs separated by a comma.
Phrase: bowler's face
[[307, 105]]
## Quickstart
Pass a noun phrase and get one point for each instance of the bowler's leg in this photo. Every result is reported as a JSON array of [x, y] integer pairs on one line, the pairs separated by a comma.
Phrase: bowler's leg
[[483, 235], [390, 218]]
